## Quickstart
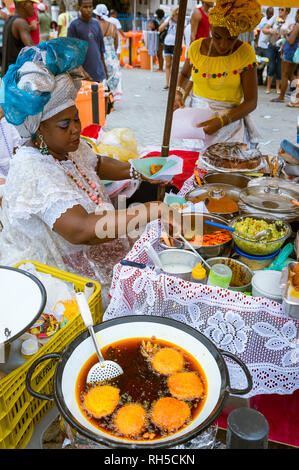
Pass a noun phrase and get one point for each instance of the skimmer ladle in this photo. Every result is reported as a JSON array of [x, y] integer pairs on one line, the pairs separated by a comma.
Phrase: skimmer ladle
[[102, 370]]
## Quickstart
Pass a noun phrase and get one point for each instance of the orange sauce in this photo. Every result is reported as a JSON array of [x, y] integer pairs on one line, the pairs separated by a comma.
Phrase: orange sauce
[[139, 384]]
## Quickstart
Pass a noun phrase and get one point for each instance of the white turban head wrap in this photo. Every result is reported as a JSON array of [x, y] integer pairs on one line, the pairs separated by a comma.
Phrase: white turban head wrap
[[36, 77]]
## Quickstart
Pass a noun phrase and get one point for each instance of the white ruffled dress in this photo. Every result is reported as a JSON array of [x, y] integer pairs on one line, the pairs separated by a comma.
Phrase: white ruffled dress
[[37, 192]]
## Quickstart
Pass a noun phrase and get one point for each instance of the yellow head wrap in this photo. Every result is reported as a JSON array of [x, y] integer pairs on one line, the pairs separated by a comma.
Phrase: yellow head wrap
[[239, 16]]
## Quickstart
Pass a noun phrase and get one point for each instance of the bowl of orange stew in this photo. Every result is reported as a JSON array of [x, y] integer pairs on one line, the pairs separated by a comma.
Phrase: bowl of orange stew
[[174, 384]]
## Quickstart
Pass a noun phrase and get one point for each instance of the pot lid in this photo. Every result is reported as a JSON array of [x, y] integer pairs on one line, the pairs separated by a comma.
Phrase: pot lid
[[22, 300], [215, 191], [271, 197]]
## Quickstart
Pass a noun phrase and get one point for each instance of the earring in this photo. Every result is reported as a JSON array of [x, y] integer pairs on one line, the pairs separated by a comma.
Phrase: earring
[[43, 148]]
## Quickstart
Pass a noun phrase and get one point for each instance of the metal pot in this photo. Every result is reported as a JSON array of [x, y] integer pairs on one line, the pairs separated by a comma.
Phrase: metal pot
[[234, 179], [73, 358], [242, 274], [216, 192], [196, 222], [176, 260]]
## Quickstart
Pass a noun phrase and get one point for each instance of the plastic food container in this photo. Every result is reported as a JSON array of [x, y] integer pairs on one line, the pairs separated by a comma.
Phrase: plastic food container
[[256, 263], [267, 284], [259, 247], [241, 273]]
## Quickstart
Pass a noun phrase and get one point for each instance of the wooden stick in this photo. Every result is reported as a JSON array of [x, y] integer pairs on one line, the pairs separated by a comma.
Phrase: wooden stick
[[172, 85]]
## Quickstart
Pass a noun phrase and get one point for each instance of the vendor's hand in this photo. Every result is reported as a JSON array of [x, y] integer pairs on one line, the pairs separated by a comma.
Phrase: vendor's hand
[[148, 180], [211, 125], [171, 219], [178, 102]]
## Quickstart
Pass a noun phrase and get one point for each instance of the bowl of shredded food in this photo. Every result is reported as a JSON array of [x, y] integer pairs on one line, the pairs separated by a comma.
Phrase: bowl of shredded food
[[278, 232]]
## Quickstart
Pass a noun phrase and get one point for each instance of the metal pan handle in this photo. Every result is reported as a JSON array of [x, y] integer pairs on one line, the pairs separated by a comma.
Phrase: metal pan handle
[[31, 371], [243, 366]]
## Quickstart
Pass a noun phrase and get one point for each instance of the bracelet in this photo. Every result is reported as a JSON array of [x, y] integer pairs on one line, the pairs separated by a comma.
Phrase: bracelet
[[180, 90], [229, 119], [134, 174]]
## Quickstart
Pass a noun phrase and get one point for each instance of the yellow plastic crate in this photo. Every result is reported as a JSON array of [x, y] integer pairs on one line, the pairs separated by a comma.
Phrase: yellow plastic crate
[[20, 412]]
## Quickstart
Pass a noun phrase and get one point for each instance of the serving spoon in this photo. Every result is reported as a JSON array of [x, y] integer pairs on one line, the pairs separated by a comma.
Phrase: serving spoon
[[102, 370]]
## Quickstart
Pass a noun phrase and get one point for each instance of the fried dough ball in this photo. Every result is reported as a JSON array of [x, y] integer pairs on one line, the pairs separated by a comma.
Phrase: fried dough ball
[[101, 400], [170, 414], [167, 361], [130, 419], [185, 385]]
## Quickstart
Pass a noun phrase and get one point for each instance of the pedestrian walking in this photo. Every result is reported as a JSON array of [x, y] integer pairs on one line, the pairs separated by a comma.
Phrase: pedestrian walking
[[64, 20], [44, 22], [121, 35], [200, 26], [160, 17], [16, 33], [87, 28], [288, 66], [275, 28], [4, 14], [110, 35], [171, 24]]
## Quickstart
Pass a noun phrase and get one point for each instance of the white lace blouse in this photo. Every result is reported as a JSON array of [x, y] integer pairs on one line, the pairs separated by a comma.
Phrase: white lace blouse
[[37, 191]]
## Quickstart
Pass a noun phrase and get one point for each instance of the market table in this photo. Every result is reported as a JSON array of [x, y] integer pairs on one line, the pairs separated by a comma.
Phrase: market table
[[254, 328]]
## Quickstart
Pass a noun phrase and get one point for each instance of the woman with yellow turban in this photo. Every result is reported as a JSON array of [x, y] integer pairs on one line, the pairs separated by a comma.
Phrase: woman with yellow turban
[[223, 70]]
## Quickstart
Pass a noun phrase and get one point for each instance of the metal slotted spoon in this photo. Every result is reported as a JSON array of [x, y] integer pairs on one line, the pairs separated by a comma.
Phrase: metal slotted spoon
[[102, 370]]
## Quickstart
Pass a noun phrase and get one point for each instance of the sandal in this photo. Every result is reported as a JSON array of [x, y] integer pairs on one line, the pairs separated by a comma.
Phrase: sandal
[[276, 100], [292, 105], [268, 91]]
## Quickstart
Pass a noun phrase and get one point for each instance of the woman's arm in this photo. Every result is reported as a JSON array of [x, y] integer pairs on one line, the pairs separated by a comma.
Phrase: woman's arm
[[115, 37], [249, 85], [79, 227], [182, 83], [291, 38], [196, 18], [112, 169]]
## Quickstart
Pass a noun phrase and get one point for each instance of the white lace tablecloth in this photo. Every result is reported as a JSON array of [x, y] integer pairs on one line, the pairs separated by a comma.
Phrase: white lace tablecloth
[[254, 329]]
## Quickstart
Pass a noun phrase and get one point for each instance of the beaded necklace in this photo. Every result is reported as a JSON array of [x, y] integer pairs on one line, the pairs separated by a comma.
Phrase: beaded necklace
[[6, 145], [94, 196]]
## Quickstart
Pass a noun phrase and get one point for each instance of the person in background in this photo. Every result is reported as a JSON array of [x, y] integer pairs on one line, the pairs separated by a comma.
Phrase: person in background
[[224, 74], [64, 20], [44, 22], [87, 28], [34, 26], [200, 26], [113, 19], [263, 39], [110, 36], [160, 17], [53, 30], [16, 33], [288, 67], [275, 28], [4, 14], [169, 42]]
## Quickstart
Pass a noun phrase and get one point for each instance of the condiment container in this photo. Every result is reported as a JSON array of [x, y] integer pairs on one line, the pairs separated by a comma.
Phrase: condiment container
[[247, 429], [199, 274], [267, 284], [20, 352], [256, 263], [290, 304], [29, 348], [220, 275]]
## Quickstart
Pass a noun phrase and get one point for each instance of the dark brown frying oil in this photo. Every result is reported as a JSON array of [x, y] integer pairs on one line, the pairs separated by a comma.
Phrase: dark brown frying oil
[[138, 384]]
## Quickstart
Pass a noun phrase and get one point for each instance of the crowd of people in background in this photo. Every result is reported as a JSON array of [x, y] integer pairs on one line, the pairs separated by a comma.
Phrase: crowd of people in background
[[30, 23]]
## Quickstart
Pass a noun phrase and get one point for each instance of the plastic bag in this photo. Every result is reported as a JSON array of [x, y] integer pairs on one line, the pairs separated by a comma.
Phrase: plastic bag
[[119, 143]]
